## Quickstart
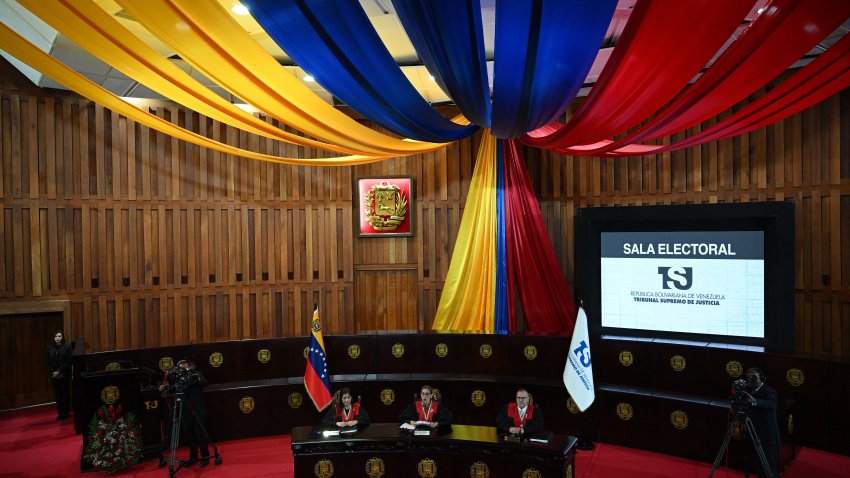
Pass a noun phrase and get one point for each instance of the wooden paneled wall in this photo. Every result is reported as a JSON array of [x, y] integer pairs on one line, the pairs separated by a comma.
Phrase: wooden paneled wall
[[156, 242]]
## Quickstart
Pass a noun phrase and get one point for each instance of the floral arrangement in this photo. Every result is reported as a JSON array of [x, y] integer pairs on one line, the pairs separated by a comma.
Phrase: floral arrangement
[[114, 442]]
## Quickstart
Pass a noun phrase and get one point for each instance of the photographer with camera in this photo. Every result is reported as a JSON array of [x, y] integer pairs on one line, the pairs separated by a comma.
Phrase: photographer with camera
[[186, 383], [762, 401]]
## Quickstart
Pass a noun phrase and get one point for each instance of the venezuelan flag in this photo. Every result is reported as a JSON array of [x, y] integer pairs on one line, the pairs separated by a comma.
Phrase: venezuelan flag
[[317, 380]]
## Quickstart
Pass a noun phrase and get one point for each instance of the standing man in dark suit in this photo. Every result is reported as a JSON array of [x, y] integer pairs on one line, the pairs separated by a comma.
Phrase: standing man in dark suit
[[762, 412], [59, 372]]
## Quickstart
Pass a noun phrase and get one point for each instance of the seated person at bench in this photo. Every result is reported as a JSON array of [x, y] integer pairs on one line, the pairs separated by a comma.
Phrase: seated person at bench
[[343, 413], [521, 417], [426, 412]]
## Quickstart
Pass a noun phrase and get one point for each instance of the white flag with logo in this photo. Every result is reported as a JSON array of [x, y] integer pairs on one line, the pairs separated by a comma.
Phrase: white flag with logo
[[578, 372]]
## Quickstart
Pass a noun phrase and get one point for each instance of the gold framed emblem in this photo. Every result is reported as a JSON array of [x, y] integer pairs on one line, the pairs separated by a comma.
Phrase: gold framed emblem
[[353, 351], [531, 473], [387, 396], [734, 368], [485, 350], [678, 363], [216, 359], [572, 406], [679, 419], [479, 469], [795, 377], [264, 355], [110, 394], [427, 468], [530, 352], [441, 350], [384, 206], [398, 350], [112, 366], [246, 404], [375, 467], [479, 398], [323, 469], [626, 358], [294, 400], [165, 363], [306, 350], [625, 411]]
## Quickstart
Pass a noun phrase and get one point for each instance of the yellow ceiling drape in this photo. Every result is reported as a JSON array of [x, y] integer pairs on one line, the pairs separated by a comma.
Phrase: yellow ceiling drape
[[471, 280], [207, 37], [25, 51], [93, 29]]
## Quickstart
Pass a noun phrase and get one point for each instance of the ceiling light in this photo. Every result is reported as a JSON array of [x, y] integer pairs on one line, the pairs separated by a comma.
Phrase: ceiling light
[[239, 9]]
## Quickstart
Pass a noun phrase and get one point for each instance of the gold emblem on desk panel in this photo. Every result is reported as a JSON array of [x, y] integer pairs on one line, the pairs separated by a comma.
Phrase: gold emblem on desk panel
[[427, 468], [246, 404], [679, 419], [485, 350], [165, 363], [324, 469], [398, 350], [112, 366], [264, 355], [294, 399], [531, 473], [795, 377], [436, 395], [738, 430], [375, 467], [385, 206], [678, 363], [626, 358], [306, 349], [110, 394], [387, 396], [569, 471], [734, 368], [441, 350], [216, 359], [572, 406], [479, 398], [625, 411], [354, 351], [530, 352], [479, 469]]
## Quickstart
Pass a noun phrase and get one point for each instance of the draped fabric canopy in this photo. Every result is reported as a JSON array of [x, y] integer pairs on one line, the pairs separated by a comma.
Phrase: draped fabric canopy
[[543, 52], [675, 65]]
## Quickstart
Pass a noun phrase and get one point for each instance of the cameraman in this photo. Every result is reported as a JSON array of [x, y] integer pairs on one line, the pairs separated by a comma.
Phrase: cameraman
[[762, 412], [187, 382]]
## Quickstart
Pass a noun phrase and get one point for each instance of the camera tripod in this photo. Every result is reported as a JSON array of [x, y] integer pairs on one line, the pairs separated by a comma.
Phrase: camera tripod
[[176, 420], [741, 416]]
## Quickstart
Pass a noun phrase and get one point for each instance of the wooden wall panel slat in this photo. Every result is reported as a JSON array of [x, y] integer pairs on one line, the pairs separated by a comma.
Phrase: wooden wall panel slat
[[115, 217]]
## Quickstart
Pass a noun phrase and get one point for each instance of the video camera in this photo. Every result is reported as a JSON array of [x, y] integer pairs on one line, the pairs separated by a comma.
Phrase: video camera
[[741, 388], [179, 378]]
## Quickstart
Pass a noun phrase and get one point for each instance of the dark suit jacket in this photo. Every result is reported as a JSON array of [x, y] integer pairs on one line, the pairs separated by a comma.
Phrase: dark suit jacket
[[532, 425]]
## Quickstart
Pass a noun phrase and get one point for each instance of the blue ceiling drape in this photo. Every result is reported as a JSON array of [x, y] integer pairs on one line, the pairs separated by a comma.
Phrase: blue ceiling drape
[[449, 39], [544, 51], [334, 41]]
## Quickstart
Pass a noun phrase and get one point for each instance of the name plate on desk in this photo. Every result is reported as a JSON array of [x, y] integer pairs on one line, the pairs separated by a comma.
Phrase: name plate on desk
[[330, 433], [540, 438], [421, 432]]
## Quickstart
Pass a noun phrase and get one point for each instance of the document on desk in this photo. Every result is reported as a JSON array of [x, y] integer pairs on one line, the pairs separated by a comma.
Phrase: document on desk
[[348, 430], [407, 426]]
